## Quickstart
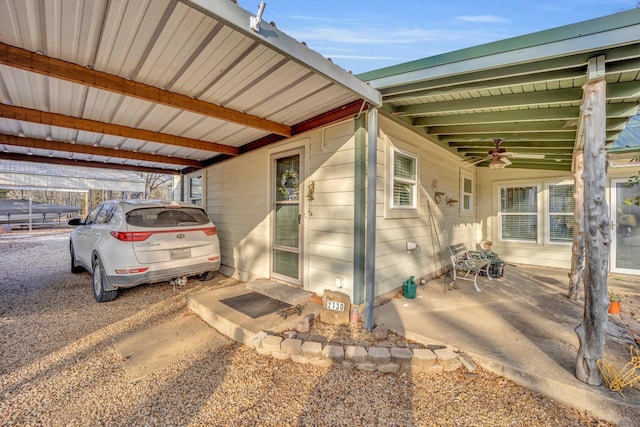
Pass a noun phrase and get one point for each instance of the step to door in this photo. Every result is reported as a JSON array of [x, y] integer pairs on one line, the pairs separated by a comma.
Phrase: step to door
[[289, 294]]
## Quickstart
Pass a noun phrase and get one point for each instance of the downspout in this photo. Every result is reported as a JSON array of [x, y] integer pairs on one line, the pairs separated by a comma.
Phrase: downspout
[[370, 255], [359, 212]]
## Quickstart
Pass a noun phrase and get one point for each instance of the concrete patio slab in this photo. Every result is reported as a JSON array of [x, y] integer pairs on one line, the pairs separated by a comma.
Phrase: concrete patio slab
[[521, 327]]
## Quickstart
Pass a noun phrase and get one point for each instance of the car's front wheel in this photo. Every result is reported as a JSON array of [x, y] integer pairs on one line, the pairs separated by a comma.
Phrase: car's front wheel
[[74, 268], [99, 281]]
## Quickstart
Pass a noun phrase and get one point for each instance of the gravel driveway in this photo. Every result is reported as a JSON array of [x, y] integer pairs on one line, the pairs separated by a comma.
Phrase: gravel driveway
[[58, 366]]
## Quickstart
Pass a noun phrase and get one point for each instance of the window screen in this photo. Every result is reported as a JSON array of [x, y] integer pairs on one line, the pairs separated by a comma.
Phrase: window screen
[[404, 180], [519, 213], [561, 213]]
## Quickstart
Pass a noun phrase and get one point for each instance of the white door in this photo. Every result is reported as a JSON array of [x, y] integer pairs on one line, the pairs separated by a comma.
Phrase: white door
[[625, 235], [287, 220]]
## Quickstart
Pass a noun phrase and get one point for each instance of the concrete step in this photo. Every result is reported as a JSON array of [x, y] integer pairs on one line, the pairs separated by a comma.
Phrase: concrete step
[[237, 326], [290, 294]]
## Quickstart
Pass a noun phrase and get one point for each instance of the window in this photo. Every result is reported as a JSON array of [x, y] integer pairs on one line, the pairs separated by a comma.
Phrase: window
[[105, 215], [560, 213], [518, 214], [466, 194], [195, 190], [405, 167]]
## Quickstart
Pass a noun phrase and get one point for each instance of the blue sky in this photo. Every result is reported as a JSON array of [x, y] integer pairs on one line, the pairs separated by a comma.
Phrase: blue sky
[[362, 36]]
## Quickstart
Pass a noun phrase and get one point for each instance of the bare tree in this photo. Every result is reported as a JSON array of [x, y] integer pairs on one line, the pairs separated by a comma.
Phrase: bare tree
[[155, 184]]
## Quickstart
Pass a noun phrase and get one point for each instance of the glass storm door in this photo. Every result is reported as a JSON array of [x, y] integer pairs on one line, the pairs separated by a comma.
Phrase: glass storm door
[[625, 235], [286, 213]]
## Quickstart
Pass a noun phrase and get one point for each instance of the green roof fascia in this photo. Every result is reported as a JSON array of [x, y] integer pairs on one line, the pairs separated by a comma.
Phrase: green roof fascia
[[567, 32], [623, 150]]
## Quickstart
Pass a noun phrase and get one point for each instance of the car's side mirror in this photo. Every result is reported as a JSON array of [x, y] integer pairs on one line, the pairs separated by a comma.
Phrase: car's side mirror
[[75, 221]]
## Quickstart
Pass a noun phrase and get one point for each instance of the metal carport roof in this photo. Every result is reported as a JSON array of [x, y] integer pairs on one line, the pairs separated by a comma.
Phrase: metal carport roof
[[526, 91], [157, 86]]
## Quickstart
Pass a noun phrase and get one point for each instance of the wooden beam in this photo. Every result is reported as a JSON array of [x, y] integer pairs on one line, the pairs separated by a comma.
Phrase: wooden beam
[[60, 120], [348, 110], [43, 144], [546, 98], [15, 57], [71, 162], [340, 113], [542, 114]]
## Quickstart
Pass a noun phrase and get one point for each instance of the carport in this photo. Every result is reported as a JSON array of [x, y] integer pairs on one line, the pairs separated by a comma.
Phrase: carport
[[165, 88]]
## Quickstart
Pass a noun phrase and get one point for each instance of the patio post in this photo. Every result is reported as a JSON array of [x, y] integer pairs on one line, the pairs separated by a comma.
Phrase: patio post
[[370, 251], [592, 330]]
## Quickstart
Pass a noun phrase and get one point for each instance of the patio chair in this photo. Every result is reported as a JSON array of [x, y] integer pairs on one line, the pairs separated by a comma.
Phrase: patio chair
[[471, 263]]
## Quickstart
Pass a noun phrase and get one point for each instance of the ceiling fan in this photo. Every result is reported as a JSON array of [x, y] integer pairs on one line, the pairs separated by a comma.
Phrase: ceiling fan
[[500, 156]]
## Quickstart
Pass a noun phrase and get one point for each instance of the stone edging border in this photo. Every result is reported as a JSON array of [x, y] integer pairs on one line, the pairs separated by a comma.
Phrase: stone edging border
[[373, 358]]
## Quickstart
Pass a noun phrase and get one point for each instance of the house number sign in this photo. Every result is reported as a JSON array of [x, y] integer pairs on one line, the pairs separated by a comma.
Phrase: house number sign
[[333, 305]]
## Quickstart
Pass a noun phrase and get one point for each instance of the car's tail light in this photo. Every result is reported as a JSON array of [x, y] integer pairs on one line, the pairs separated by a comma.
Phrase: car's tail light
[[131, 236], [210, 231], [131, 270], [215, 258]]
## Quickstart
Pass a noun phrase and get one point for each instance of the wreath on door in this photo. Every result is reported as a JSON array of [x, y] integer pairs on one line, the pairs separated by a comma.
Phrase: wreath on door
[[289, 184]]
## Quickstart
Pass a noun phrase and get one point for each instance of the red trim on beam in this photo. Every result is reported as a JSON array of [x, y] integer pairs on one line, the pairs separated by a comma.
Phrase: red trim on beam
[[347, 110], [339, 113]]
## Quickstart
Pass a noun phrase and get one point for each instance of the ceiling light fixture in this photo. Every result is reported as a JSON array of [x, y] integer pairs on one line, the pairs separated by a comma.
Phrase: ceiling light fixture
[[497, 164]]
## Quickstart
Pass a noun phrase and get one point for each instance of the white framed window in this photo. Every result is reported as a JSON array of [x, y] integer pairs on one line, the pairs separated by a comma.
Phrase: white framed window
[[518, 217], [404, 172], [560, 214], [466, 193]]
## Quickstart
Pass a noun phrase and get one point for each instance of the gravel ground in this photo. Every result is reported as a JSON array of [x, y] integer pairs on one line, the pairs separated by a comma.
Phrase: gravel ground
[[58, 366]]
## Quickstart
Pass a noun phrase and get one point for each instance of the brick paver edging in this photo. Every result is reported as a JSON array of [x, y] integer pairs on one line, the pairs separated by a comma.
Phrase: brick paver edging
[[382, 359]]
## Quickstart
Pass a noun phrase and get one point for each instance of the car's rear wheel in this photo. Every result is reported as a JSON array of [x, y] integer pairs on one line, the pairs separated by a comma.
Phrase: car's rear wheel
[[74, 268], [99, 282], [204, 277]]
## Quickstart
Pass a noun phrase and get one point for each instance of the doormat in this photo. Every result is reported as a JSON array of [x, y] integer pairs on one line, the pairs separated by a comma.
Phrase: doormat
[[254, 304]]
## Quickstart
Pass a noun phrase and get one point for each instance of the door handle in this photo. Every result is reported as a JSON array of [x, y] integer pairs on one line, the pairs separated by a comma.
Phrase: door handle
[[299, 216]]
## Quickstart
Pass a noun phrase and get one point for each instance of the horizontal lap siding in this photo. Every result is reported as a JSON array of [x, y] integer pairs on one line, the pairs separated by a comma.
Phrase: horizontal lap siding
[[394, 264], [329, 237], [237, 192]]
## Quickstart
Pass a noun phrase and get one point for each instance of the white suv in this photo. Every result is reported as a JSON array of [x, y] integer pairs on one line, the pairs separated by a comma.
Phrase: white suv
[[125, 243]]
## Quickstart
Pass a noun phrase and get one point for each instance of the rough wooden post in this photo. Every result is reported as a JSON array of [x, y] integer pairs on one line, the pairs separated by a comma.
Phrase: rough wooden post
[[591, 332], [577, 250]]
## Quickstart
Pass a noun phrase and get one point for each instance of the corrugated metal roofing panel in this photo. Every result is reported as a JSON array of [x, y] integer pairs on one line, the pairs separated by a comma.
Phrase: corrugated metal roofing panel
[[209, 55]]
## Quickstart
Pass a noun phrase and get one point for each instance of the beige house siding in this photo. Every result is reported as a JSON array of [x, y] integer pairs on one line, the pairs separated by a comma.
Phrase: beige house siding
[[330, 215], [239, 203], [438, 170]]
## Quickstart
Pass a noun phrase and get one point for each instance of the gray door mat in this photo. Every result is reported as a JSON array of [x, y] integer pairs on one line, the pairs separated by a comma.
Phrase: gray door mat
[[254, 305]]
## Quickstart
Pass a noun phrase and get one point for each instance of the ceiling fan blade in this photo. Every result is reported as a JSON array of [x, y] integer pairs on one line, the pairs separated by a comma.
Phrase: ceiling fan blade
[[476, 161], [525, 156], [506, 160]]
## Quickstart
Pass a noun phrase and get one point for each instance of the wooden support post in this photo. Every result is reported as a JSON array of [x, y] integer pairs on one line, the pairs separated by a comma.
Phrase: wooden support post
[[577, 250], [592, 331]]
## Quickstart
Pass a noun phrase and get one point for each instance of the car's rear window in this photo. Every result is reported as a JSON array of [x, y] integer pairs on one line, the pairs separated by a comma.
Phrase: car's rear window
[[166, 217]]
